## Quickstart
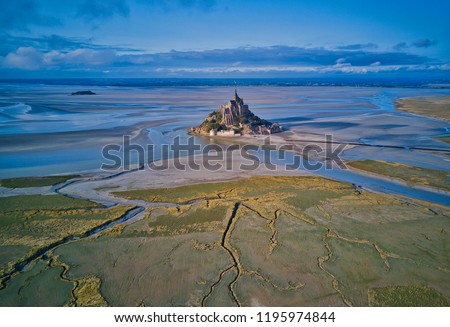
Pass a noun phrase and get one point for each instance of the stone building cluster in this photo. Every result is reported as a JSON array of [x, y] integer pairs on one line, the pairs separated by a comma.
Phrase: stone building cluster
[[232, 111], [235, 119]]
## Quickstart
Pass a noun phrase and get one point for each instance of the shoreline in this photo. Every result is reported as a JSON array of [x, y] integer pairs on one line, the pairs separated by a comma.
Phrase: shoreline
[[97, 186]]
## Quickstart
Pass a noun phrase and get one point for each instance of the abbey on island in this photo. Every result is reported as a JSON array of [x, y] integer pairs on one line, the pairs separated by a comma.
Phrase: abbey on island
[[235, 118]]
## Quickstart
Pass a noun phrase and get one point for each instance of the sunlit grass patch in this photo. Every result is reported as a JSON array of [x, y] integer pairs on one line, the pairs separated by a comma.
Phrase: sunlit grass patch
[[22, 182], [174, 223], [246, 188], [48, 202]]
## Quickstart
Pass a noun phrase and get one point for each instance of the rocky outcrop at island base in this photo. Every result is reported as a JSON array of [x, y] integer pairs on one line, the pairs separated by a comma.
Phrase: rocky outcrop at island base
[[235, 118]]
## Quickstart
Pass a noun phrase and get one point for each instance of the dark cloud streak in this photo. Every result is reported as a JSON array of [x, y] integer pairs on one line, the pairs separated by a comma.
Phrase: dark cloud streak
[[358, 46], [424, 43], [421, 43], [171, 5], [47, 43], [95, 10], [21, 14]]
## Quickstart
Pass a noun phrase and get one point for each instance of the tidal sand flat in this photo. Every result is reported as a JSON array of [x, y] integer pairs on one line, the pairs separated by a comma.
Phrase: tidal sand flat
[[26, 182], [39, 124]]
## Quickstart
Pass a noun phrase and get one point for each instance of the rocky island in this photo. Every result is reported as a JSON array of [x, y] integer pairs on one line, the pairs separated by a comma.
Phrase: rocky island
[[235, 118], [88, 92]]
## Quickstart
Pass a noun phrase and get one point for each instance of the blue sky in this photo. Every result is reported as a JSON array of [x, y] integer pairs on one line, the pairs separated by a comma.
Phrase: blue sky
[[195, 38]]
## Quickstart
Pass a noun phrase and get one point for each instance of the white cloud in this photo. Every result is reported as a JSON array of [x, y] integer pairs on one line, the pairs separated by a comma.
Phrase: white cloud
[[29, 58], [25, 58], [90, 57]]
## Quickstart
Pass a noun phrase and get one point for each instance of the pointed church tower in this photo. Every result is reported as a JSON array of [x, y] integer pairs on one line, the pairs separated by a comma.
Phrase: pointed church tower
[[236, 116]]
